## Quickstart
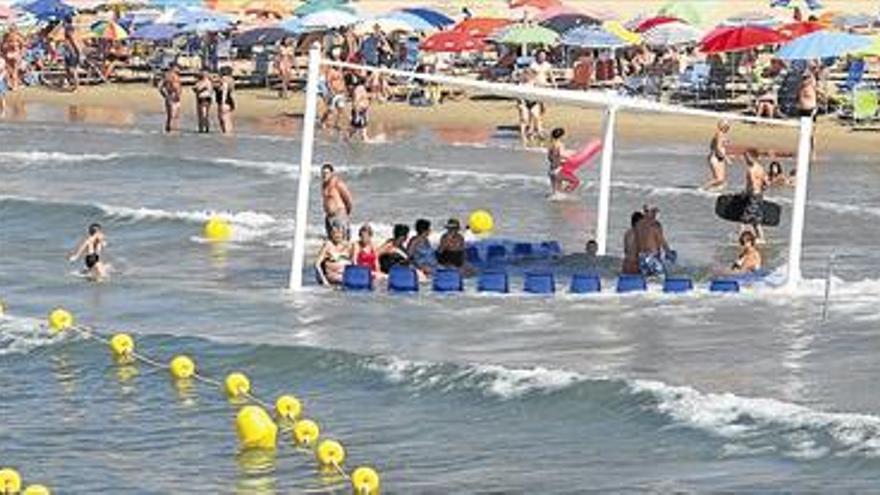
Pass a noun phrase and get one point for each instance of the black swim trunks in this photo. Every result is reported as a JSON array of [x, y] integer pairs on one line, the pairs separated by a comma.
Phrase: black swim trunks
[[753, 214], [91, 260]]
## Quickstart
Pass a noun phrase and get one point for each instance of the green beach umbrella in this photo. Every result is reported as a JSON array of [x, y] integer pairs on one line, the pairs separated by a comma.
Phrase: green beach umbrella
[[525, 34], [694, 12], [315, 6]]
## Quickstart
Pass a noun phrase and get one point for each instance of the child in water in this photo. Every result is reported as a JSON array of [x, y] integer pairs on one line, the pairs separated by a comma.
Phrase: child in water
[[91, 249], [556, 156]]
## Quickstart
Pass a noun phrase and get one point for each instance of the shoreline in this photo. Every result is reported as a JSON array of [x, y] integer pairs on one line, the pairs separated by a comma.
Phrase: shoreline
[[468, 119]]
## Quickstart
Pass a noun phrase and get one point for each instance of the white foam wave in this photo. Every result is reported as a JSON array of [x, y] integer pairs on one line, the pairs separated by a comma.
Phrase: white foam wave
[[52, 157], [21, 335]]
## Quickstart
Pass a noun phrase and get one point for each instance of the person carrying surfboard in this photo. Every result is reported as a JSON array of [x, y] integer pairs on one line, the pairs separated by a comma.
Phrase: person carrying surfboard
[[718, 158], [756, 182]]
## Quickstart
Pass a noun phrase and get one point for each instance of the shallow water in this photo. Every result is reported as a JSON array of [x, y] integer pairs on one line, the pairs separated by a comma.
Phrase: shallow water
[[470, 394]]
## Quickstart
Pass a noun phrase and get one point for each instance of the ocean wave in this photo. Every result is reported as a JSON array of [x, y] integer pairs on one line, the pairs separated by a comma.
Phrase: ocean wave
[[31, 157], [19, 335]]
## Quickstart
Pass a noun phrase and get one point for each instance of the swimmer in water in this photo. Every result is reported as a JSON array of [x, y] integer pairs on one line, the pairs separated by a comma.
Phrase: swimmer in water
[[749, 259], [556, 156], [91, 249]]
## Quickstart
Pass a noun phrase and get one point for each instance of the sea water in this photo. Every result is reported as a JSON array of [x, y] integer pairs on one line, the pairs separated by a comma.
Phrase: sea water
[[469, 394]]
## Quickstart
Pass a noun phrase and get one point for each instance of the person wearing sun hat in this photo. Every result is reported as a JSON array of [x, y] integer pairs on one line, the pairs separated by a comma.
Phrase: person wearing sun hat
[[451, 250]]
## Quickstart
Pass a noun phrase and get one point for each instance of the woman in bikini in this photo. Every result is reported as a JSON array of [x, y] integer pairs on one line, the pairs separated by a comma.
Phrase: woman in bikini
[[203, 90], [333, 257]]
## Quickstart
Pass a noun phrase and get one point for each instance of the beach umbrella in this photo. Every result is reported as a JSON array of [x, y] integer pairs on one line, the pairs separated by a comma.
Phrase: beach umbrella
[[676, 33], [823, 44], [740, 38], [810, 4], [109, 30], [316, 6], [50, 10], [329, 19], [275, 8], [481, 27], [621, 32], [452, 42], [435, 18], [525, 34], [593, 37], [259, 36], [137, 18], [203, 26], [415, 22], [691, 11], [535, 4], [174, 4], [649, 23], [871, 51], [294, 26], [564, 22], [760, 19], [795, 30], [155, 32], [849, 21], [386, 25], [190, 15]]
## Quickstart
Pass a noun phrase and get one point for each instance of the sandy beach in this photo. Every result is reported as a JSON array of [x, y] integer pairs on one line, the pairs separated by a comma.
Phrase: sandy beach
[[469, 118]]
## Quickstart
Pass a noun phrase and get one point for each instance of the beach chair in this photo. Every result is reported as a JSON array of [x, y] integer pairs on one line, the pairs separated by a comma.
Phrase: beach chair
[[865, 108], [854, 75]]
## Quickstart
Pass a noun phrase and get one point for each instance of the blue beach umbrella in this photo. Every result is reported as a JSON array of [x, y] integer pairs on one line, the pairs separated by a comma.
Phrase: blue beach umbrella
[[50, 10], [155, 32], [417, 23], [592, 37], [823, 44], [810, 4], [435, 18], [174, 4], [202, 26]]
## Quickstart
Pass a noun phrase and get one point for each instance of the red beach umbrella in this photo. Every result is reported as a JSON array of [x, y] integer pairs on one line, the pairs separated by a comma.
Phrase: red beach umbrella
[[797, 29], [453, 42], [739, 38], [653, 22], [480, 27]]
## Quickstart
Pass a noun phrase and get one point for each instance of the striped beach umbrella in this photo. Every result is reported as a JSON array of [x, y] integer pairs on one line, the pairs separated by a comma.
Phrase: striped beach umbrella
[[109, 30]]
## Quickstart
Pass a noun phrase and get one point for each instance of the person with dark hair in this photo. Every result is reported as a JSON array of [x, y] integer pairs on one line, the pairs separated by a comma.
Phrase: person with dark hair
[[225, 102], [91, 249], [749, 259], [556, 156], [631, 246], [393, 251], [364, 253], [776, 175], [419, 249], [334, 256], [451, 250], [756, 182], [203, 88], [171, 90]]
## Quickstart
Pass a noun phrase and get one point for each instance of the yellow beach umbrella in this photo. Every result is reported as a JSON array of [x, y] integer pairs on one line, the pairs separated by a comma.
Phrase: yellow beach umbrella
[[621, 32], [109, 30]]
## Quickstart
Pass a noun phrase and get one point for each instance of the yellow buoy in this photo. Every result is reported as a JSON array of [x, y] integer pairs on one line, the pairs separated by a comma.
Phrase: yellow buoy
[[10, 481], [237, 385], [288, 407], [481, 222], [365, 481], [122, 345], [255, 427], [218, 229], [60, 320], [330, 453], [306, 432], [182, 367], [36, 490]]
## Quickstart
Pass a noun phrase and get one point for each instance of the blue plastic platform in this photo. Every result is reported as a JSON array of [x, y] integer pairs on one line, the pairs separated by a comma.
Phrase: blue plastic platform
[[631, 283], [539, 283], [493, 281], [724, 285], [357, 278], [448, 280], [585, 283], [677, 285], [403, 279]]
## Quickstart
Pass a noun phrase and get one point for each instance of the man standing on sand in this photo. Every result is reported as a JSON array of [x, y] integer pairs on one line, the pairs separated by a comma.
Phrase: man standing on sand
[[337, 201], [170, 89], [756, 181], [718, 158]]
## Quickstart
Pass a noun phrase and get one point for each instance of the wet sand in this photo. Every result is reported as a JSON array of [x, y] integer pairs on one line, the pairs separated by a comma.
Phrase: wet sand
[[464, 120]]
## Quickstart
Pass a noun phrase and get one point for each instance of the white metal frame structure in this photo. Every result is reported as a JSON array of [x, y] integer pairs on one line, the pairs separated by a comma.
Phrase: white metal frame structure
[[612, 103]]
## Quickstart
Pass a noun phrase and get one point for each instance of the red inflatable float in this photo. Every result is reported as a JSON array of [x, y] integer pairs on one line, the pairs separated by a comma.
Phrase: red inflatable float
[[567, 175]]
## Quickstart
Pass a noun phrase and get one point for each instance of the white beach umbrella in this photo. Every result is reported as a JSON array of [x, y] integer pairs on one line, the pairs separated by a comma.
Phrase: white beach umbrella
[[675, 33], [329, 19]]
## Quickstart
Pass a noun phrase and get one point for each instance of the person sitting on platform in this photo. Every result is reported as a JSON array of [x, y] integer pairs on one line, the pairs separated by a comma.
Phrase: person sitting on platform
[[333, 257], [631, 247], [451, 250], [419, 249], [364, 253], [655, 255], [393, 251]]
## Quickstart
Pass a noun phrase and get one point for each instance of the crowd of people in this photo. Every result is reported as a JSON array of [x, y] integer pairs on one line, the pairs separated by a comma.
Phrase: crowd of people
[[209, 89]]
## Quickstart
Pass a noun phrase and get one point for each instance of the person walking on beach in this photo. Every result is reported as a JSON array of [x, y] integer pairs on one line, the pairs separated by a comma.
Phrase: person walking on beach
[[718, 158], [170, 89], [359, 107], [756, 182], [337, 201], [204, 92], [72, 57], [91, 249], [225, 101], [284, 65]]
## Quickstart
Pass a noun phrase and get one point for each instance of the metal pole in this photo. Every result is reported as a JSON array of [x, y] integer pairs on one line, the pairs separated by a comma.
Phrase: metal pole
[[305, 169], [605, 179], [798, 214]]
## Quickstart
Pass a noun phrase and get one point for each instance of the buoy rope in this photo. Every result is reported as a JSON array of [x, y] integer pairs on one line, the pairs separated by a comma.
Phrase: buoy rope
[[91, 333]]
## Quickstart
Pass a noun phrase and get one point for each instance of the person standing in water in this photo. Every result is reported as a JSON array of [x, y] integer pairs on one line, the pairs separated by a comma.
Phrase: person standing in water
[[756, 182], [808, 104], [337, 201], [284, 63], [556, 156], [170, 89], [225, 102], [203, 90], [91, 249], [359, 107], [718, 158]]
